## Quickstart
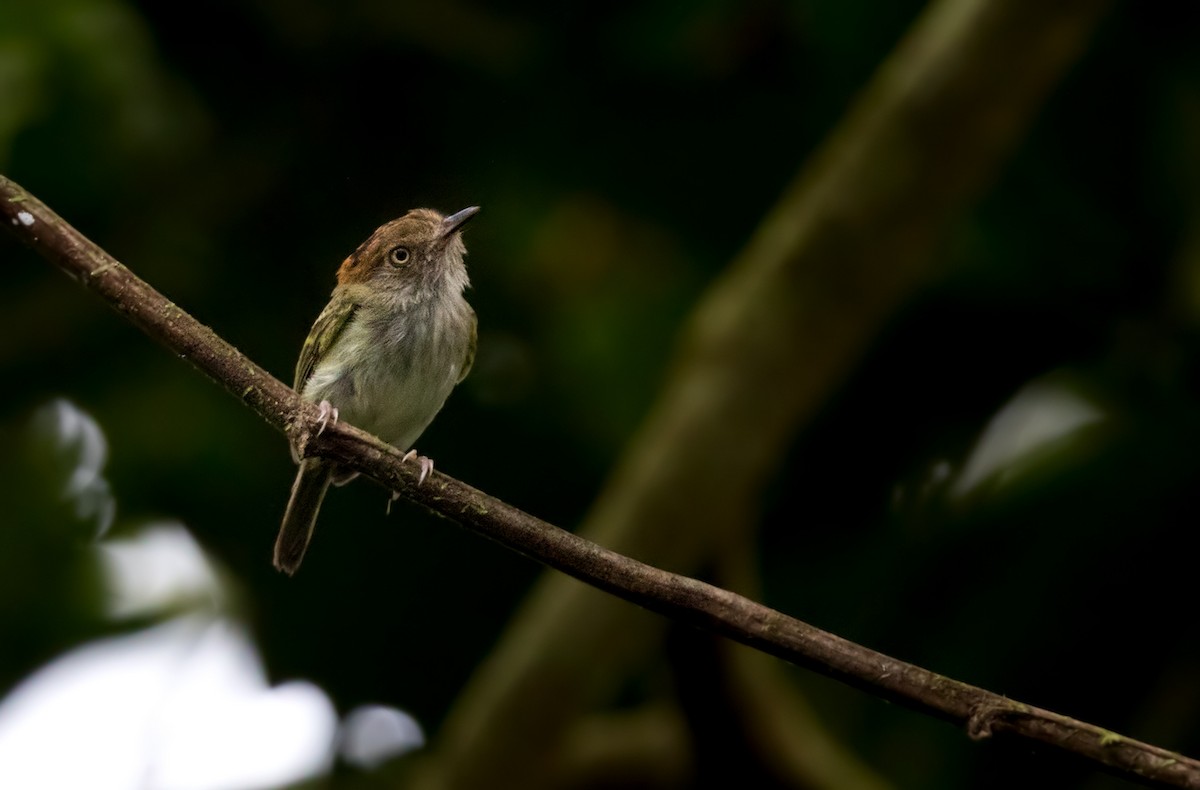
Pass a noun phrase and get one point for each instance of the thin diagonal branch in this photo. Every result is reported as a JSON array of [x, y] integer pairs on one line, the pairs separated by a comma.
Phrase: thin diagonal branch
[[677, 597]]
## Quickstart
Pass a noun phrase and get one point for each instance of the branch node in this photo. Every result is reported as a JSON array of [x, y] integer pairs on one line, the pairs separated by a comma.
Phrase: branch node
[[984, 716], [298, 432]]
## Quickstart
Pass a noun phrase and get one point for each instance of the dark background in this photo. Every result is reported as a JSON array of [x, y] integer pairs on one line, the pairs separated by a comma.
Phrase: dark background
[[233, 153]]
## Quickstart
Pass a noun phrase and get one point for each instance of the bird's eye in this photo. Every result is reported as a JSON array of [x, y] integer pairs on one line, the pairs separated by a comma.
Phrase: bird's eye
[[398, 256]]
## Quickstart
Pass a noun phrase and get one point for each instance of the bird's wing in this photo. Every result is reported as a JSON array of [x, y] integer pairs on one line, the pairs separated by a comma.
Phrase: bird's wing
[[324, 333], [469, 359]]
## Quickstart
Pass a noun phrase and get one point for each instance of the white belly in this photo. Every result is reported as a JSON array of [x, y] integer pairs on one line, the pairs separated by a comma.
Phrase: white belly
[[389, 381]]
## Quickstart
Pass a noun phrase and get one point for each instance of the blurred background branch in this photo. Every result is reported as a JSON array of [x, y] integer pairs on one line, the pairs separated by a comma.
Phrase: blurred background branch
[[848, 242]]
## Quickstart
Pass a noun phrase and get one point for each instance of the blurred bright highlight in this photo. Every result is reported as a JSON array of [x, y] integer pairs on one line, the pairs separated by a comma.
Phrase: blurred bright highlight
[[1042, 414], [184, 705], [374, 734], [162, 568]]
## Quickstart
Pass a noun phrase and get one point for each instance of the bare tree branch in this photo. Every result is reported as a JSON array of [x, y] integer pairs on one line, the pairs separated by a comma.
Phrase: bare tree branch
[[678, 597]]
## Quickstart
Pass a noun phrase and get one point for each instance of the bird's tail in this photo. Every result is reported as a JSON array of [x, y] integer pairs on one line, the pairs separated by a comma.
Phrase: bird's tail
[[312, 481]]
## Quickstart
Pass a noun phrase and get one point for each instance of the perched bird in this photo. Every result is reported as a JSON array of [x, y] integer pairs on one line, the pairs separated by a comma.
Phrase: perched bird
[[394, 340]]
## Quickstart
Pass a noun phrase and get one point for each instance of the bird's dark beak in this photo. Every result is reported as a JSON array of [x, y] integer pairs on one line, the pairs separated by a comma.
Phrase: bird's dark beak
[[457, 220]]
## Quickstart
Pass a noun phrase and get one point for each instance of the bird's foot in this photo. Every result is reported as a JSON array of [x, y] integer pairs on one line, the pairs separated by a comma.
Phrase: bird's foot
[[426, 464], [328, 413]]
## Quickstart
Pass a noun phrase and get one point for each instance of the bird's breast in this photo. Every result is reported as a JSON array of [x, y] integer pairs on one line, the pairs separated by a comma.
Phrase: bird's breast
[[390, 371]]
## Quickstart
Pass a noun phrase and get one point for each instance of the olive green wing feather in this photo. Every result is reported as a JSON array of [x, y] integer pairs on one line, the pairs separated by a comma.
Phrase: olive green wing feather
[[324, 333], [469, 359]]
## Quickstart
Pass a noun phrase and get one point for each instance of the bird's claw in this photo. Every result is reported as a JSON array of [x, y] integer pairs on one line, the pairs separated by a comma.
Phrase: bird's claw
[[328, 413], [426, 464]]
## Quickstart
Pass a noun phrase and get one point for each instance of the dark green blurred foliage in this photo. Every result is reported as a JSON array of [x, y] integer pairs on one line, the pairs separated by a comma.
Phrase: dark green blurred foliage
[[233, 153]]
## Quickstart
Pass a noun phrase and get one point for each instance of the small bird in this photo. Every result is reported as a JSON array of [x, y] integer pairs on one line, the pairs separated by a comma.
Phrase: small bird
[[394, 340]]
